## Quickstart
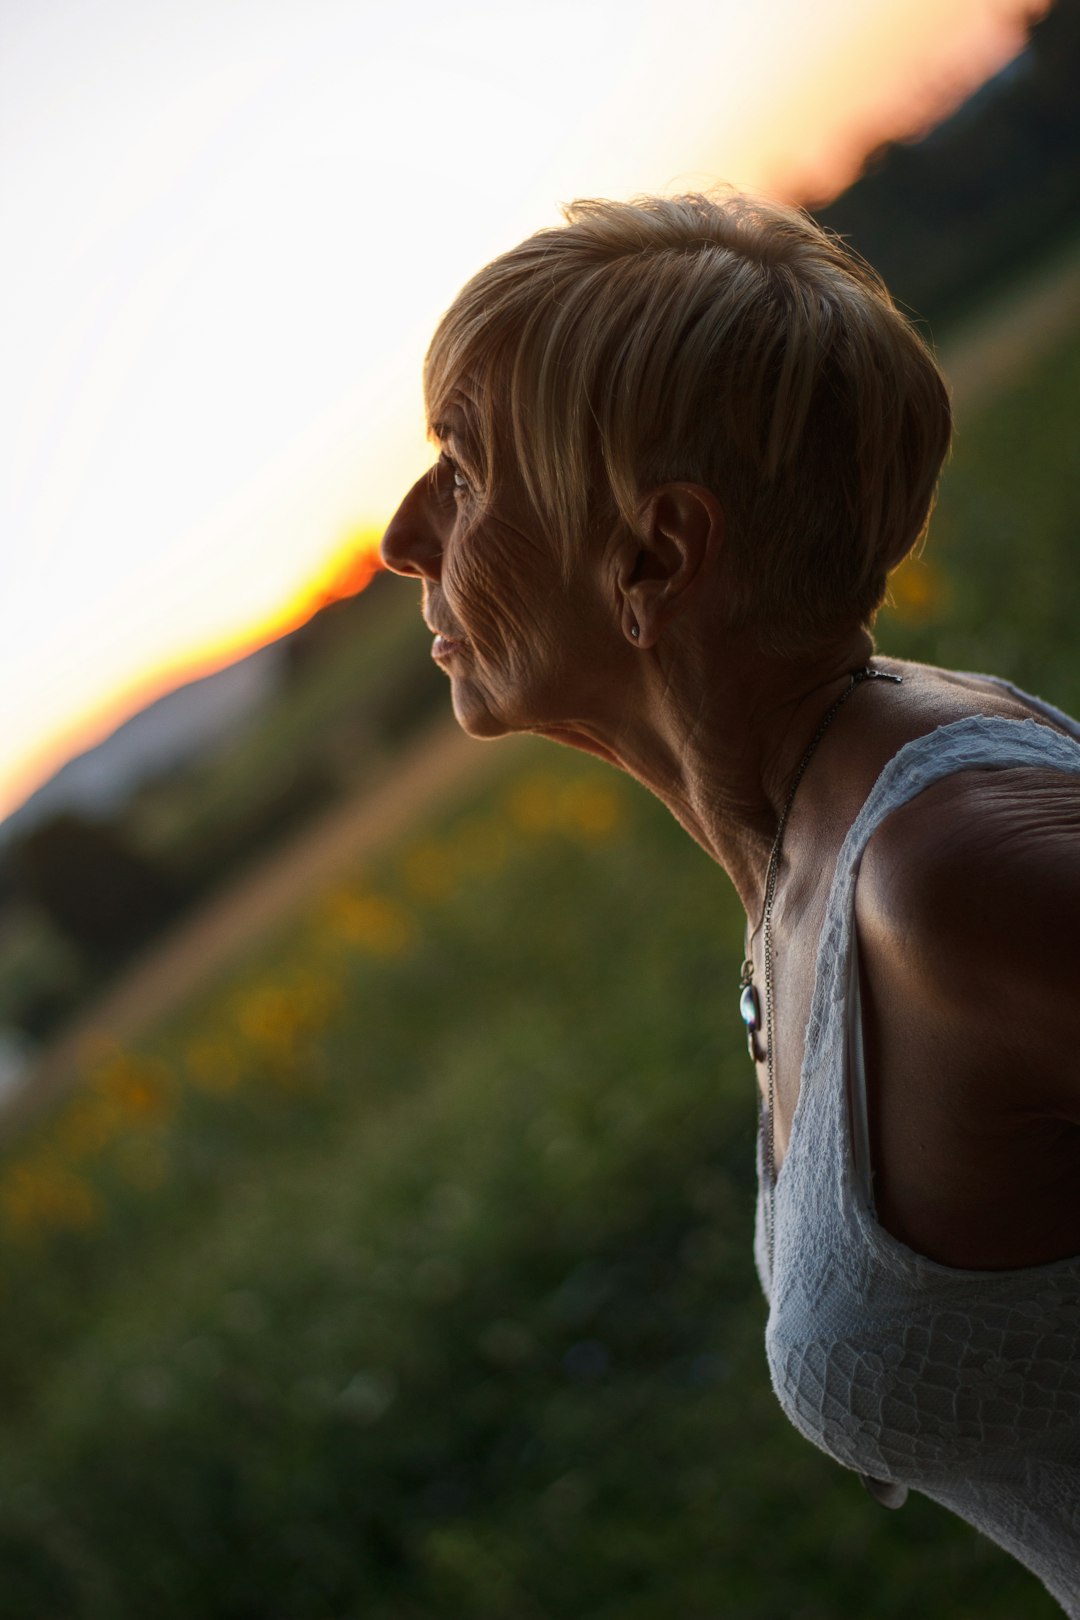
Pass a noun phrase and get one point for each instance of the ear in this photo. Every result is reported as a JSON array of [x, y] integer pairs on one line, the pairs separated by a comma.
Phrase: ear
[[660, 564]]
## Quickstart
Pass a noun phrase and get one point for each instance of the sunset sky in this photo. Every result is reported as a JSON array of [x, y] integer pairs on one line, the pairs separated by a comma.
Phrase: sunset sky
[[228, 227]]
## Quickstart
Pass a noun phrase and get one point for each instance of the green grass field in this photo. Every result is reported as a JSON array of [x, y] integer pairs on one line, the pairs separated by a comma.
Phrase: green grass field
[[408, 1274]]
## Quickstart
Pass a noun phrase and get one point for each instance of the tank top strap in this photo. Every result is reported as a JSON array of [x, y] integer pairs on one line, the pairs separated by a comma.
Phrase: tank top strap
[[819, 1162]]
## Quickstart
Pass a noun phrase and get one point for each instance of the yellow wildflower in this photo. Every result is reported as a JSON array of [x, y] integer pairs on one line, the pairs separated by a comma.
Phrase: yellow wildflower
[[917, 589], [40, 1193], [266, 1017], [533, 804], [375, 924], [589, 809]]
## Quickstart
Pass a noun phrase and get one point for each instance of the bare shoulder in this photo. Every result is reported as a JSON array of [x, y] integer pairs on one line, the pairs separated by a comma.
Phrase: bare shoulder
[[968, 902]]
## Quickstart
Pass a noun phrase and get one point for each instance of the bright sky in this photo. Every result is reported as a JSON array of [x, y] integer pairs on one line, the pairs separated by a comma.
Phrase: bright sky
[[229, 226]]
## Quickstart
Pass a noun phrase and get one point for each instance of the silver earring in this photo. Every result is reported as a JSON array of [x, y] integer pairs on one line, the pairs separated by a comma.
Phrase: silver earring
[[634, 631]]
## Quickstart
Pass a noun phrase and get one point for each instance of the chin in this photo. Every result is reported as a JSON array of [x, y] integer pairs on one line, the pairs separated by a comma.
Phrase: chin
[[476, 719], [480, 715]]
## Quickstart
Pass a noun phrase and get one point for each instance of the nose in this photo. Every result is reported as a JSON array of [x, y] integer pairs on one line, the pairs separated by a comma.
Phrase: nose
[[412, 543]]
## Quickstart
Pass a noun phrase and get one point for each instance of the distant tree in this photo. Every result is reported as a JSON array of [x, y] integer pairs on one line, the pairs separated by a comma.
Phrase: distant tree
[[42, 973], [105, 896], [336, 621], [8, 880]]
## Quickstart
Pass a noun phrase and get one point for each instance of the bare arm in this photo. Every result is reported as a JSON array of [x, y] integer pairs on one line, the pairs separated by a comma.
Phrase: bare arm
[[968, 916]]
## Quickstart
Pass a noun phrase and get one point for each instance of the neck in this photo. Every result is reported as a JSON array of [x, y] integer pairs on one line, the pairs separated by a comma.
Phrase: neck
[[719, 736]]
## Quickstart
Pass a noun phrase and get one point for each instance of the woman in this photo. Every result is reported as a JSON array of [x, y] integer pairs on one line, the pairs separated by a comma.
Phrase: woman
[[682, 444]]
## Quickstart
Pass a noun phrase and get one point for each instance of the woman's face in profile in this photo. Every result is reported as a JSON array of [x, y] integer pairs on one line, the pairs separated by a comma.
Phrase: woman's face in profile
[[514, 636]]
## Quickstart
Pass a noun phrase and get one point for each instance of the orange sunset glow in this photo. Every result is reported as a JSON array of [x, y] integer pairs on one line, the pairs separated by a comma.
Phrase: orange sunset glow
[[222, 306], [347, 570]]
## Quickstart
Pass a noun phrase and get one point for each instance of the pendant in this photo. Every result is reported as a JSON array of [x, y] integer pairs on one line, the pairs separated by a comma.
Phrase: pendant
[[885, 1492], [750, 1013]]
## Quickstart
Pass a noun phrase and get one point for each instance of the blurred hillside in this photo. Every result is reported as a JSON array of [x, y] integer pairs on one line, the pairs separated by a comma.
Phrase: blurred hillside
[[131, 836], [951, 217], [157, 741]]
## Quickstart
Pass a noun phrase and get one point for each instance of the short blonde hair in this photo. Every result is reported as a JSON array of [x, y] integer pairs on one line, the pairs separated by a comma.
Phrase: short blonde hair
[[723, 340]]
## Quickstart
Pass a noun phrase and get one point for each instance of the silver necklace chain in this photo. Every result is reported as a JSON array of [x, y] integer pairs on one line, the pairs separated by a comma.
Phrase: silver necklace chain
[[749, 1001]]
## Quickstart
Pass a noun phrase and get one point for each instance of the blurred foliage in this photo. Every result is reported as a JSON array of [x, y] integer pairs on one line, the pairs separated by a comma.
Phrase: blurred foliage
[[997, 588], [98, 890], [409, 1274], [41, 972], [948, 218]]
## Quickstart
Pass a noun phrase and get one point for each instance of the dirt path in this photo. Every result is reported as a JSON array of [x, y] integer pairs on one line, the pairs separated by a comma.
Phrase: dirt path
[[442, 762], [1002, 338]]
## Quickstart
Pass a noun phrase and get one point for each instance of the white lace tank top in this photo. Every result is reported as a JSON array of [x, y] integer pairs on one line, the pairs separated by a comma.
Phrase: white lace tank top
[[964, 1385]]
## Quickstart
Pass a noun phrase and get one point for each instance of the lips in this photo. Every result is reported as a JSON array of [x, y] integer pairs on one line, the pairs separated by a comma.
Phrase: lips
[[447, 642]]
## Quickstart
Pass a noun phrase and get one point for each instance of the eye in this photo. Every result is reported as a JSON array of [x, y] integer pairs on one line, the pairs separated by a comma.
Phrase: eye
[[460, 481]]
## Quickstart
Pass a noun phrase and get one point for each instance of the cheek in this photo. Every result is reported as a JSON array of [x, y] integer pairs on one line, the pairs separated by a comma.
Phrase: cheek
[[493, 586]]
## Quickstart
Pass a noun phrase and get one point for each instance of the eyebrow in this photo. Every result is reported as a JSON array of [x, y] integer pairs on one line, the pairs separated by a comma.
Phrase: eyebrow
[[461, 435]]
